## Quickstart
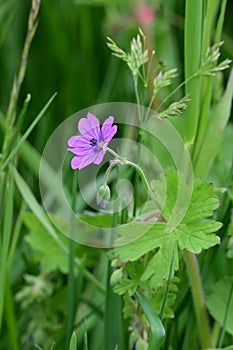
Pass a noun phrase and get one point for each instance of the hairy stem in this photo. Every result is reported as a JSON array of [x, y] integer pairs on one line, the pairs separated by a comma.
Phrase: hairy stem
[[198, 300], [139, 171]]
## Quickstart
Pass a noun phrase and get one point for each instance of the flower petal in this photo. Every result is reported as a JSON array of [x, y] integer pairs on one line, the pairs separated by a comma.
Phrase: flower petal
[[79, 162], [74, 141], [79, 142], [90, 125], [75, 163], [80, 151], [87, 159], [107, 130], [99, 157]]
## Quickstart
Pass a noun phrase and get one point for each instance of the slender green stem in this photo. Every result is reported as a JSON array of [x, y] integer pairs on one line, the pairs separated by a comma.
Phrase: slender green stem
[[136, 176], [135, 193], [144, 179], [71, 301], [228, 306], [178, 87], [167, 289], [135, 80], [116, 155], [143, 49], [198, 300], [146, 83], [149, 66], [149, 107], [139, 170], [113, 326], [107, 173]]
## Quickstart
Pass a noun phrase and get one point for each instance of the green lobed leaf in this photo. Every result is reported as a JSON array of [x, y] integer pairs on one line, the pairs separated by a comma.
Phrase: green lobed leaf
[[133, 279], [126, 286], [129, 285], [216, 303], [197, 235], [202, 203], [159, 266], [147, 236], [48, 252], [194, 233]]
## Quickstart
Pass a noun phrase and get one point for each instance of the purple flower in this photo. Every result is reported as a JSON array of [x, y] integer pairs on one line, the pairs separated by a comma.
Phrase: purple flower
[[90, 146], [103, 196]]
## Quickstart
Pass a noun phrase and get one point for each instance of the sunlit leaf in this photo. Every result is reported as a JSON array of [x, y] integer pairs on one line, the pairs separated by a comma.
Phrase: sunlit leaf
[[194, 233], [216, 302]]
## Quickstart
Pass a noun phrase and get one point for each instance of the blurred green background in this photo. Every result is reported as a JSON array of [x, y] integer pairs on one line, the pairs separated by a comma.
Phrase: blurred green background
[[69, 55]]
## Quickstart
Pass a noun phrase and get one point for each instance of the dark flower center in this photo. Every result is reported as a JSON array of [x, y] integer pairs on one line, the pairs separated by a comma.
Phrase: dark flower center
[[93, 142]]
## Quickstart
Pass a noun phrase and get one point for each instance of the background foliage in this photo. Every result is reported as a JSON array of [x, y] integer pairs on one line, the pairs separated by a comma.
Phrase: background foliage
[[42, 297]]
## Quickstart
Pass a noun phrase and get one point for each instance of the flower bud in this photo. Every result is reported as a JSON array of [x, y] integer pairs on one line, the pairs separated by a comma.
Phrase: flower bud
[[103, 196], [141, 344], [115, 262], [116, 277]]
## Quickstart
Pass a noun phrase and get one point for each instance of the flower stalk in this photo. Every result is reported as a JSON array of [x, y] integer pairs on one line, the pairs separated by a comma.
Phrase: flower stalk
[[139, 171], [198, 299]]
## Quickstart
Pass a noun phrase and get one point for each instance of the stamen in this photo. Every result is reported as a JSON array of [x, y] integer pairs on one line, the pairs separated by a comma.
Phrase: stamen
[[93, 142]]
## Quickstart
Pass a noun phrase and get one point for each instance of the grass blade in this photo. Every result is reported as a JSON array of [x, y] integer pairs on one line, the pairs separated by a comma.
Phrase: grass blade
[[73, 342], [229, 301], [218, 33], [157, 329], [113, 319], [85, 346], [5, 241], [10, 317], [213, 134], [193, 50], [26, 134]]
